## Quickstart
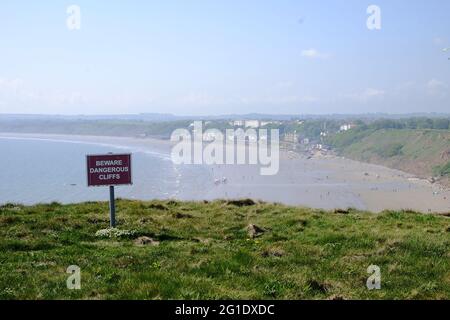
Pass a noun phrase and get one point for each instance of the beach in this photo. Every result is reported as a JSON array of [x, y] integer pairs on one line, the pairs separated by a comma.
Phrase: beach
[[325, 182]]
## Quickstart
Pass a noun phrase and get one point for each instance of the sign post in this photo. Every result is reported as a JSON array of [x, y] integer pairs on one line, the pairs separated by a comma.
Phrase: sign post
[[112, 207], [109, 170]]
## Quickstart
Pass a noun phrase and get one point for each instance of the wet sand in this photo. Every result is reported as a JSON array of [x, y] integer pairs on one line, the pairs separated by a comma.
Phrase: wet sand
[[333, 182], [322, 182]]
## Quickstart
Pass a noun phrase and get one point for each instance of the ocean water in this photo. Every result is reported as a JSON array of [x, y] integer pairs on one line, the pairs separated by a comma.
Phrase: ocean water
[[41, 170], [44, 170]]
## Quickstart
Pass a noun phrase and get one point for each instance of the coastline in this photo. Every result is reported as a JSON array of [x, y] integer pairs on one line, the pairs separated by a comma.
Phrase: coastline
[[327, 182]]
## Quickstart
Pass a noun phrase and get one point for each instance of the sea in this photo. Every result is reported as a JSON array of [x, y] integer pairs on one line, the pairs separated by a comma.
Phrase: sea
[[35, 170], [42, 169]]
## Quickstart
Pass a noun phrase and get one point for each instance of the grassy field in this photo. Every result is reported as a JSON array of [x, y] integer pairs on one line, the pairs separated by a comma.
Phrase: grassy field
[[205, 251]]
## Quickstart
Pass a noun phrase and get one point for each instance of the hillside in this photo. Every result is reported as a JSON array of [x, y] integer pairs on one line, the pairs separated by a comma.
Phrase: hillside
[[218, 250], [425, 153], [102, 127]]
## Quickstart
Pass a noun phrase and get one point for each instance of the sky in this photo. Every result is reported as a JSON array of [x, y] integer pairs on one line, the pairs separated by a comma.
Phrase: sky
[[213, 57]]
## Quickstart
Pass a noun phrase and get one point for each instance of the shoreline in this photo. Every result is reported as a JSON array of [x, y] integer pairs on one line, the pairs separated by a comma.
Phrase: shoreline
[[328, 182]]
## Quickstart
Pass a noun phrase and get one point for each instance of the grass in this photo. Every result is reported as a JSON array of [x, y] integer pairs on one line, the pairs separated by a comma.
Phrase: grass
[[205, 252], [422, 152], [442, 170]]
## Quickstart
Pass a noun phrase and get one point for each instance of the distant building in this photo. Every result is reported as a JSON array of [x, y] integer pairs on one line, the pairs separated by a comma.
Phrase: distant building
[[291, 137], [246, 123], [238, 123], [346, 127], [318, 146], [252, 124], [305, 141]]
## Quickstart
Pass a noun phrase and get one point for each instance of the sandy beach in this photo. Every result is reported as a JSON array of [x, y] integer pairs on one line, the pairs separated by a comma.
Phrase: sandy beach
[[320, 182], [333, 182]]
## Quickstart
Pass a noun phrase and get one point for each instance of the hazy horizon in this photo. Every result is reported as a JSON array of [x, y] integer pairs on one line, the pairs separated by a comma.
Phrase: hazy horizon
[[217, 58], [374, 114]]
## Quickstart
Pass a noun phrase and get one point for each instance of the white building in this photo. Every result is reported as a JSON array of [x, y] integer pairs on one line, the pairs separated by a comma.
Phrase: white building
[[252, 124], [346, 127], [318, 146], [291, 137]]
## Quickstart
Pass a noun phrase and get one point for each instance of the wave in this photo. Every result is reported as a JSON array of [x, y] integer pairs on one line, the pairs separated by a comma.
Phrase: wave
[[138, 149]]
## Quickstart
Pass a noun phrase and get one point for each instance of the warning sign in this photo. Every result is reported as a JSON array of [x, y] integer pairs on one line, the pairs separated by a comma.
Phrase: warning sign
[[109, 169]]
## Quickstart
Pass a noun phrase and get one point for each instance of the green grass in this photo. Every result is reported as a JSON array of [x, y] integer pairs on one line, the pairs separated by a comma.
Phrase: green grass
[[206, 253], [443, 170], [422, 152]]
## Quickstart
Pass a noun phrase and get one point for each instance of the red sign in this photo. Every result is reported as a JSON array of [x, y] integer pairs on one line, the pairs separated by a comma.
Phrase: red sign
[[109, 169]]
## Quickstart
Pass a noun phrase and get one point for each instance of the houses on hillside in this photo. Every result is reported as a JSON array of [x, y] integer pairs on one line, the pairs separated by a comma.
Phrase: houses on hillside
[[291, 137], [254, 124]]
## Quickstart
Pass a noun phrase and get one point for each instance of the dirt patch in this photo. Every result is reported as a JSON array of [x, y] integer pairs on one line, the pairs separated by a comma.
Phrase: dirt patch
[[158, 206], [273, 252], [146, 241], [146, 220], [9, 220], [202, 240], [336, 297], [180, 215], [445, 155], [318, 286], [241, 203], [254, 231]]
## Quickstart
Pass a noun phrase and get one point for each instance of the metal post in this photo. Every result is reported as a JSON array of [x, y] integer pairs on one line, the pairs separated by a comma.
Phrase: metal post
[[112, 207]]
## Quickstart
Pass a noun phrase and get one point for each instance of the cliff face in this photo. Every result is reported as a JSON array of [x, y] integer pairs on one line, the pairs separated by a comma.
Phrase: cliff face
[[425, 153]]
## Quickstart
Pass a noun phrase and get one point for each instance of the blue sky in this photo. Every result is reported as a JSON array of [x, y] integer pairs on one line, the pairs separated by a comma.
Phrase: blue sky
[[203, 57]]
